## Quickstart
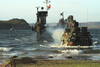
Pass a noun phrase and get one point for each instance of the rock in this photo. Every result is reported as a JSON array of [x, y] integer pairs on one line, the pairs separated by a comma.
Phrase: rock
[[69, 57], [90, 59], [85, 59], [13, 57], [50, 56]]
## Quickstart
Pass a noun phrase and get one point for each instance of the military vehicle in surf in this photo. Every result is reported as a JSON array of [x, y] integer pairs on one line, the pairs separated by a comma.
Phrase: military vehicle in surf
[[41, 33], [74, 35]]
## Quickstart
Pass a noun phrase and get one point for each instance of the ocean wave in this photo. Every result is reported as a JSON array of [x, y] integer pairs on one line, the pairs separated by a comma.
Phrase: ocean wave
[[95, 38], [45, 41], [2, 61], [42, 46], [17, 39], [51, 46], [23, 39], [6, 48], [55, 45], [30, 48], [2, 42], [13, 54], [55, 54], [96, 47], [71, 51], [63, 46], [95, 42]]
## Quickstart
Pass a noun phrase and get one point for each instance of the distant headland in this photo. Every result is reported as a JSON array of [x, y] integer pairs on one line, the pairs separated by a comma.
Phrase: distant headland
[[90, 25], [15, 23], [22, 24]]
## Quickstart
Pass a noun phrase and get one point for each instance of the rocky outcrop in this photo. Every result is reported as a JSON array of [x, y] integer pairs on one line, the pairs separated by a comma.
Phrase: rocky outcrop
[[16, 23]]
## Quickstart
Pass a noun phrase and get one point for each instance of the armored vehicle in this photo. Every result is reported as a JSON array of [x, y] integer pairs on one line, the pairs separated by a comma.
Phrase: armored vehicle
[[74, 35]]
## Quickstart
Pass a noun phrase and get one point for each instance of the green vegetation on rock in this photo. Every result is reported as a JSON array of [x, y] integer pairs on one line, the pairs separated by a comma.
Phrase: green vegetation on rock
[[29, 62], [61, 63]]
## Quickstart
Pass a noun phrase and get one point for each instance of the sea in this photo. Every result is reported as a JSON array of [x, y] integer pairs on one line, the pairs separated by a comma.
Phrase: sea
[[22, 43]]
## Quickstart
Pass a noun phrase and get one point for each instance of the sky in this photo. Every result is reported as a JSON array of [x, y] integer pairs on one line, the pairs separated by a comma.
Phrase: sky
[[25, 9]]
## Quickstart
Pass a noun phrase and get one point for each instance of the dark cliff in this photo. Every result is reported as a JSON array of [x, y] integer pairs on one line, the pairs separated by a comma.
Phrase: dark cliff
[[16, 23]]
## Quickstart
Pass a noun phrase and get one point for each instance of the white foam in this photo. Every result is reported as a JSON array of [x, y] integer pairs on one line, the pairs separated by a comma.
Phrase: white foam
[[30, 48], [17, 39], [13, 54], [71, 51], [51, 45], [55, 55], [63, 46], [45, 41], [42, 46], [6, 48], [54, 45], [95, 42], [24, 39]]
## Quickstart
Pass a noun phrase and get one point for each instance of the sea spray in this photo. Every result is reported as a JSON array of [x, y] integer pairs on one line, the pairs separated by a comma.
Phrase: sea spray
[[56, 34]]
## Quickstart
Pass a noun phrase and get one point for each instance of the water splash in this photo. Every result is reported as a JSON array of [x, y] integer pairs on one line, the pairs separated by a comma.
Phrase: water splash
[[57, 34]]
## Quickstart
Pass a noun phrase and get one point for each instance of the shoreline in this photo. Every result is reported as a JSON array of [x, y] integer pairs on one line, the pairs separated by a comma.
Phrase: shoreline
[[53, 57], [15, 60], [60, 63]]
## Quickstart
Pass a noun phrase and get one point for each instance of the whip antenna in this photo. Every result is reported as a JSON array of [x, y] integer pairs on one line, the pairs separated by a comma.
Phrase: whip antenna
[[47, 3], [87, 17]]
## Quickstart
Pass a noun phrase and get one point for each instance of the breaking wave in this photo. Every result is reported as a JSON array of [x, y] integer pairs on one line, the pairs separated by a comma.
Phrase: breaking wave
[[74, 51], [30, 48], [95, 42], [13, 54], [6, 48]]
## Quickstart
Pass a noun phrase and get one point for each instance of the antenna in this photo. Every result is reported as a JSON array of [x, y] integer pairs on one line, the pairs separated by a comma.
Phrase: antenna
[[47, 3], [37, 8], [87, 17], [37, 13]]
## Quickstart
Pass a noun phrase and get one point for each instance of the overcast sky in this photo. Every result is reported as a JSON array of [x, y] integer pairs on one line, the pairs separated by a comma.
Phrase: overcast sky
[[25, 9]]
